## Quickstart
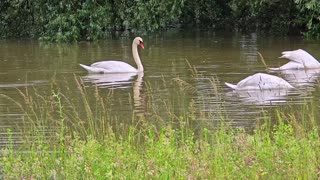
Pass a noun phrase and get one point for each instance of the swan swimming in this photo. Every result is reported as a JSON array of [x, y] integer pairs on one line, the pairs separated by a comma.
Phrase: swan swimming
[[299, 59], [261, 81], [118, 66]]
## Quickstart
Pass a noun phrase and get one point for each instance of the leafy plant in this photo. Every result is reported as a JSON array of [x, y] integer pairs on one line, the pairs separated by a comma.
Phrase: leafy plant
[[92, 19], [16, 19], [147, 15], [309, 16], [263, 15], [73, 20], [206, 13]]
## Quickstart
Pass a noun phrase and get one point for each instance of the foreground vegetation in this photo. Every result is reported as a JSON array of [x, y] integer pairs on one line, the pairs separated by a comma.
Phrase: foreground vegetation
[[92, 19], [75, 139], [279, 152]]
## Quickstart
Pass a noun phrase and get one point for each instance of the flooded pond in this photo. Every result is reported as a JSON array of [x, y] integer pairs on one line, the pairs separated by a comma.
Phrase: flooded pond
[[197, 62]]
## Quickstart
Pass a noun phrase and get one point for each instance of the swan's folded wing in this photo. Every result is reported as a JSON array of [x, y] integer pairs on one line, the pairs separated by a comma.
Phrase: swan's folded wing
[[263, 81], [249, 81], [232, 86], [109, 64]]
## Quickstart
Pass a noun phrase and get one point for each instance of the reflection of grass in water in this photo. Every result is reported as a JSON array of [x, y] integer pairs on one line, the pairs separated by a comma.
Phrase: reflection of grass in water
[[86, 144]]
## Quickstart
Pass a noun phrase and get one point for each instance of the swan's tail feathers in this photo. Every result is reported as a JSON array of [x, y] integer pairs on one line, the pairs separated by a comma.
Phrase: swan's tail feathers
[[274, 69], [91, 69], [88, 68], [231, 85]]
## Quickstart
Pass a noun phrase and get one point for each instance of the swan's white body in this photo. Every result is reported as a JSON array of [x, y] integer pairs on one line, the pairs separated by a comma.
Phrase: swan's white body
[[299, 59], [118, 66], [261, 81], [109, 67]]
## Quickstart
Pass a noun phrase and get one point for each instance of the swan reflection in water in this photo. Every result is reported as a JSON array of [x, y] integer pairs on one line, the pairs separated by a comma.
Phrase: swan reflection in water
[[27, 83], [121, 81], [112, 81], [267, 97], [301, 77]]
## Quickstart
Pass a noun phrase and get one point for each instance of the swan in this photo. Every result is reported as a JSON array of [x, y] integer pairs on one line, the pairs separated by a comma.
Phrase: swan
[[299, 59], [118, 66], [261, 81]]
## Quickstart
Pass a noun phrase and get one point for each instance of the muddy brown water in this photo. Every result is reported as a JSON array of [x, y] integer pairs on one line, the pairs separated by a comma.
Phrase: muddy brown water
[[198, 61]]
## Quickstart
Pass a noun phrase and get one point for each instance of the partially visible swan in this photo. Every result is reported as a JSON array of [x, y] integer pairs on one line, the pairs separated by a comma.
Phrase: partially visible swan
[[261, 81], [118, 66], [299, 59]]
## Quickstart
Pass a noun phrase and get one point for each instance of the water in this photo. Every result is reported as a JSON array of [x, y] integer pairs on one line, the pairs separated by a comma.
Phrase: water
[[198, 61]]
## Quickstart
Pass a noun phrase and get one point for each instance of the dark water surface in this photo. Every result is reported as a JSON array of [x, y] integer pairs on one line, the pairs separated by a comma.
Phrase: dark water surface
[[199, 62]]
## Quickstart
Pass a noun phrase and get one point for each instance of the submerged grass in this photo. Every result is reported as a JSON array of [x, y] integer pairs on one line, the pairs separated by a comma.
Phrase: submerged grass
[[87, 145]]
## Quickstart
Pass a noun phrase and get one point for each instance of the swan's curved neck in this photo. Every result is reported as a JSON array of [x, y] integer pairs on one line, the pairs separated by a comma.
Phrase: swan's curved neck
[[136, 57]]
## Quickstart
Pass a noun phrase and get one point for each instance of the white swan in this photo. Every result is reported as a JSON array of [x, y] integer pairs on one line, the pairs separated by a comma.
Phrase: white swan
[[261, 81], [299, 59], [118, 66]]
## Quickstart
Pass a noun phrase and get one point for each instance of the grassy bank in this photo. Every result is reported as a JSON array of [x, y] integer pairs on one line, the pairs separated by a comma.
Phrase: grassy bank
[[84, 144]]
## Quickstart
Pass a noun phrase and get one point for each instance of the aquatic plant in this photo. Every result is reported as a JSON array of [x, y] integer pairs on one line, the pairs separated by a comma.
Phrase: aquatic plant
[[78, 138]]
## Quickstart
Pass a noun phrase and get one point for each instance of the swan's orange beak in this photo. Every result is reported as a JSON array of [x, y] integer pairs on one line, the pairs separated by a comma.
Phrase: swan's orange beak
[[141, 45]]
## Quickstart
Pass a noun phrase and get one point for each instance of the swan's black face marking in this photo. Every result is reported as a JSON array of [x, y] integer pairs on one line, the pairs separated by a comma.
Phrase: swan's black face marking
[[141, 44]]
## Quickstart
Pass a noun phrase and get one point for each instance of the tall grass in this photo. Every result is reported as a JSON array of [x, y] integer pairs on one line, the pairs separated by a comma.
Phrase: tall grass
[[86, 144]]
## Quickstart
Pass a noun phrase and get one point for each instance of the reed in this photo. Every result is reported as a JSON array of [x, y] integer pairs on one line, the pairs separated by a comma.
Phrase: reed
[[262, 60], [87, 143]]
